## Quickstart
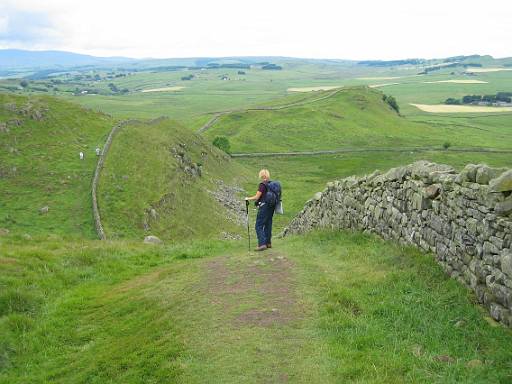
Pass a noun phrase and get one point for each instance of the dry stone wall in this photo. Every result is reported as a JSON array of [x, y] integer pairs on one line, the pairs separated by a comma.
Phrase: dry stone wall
[[464, 218], [95, 180]]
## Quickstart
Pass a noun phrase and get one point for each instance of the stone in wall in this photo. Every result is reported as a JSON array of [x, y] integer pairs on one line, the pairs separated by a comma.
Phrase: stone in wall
[[464, 218]]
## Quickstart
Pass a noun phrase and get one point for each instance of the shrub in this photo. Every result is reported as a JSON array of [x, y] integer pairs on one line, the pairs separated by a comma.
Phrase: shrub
[[18, 301], [452, 101], [391, 102], [447, 145], [222, 143]]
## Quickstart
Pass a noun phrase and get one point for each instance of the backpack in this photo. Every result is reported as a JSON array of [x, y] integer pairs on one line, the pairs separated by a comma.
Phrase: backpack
[[273, 195]]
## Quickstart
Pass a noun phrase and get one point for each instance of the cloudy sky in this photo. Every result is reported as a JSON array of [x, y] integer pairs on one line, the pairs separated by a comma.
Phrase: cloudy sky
[[361, 29]]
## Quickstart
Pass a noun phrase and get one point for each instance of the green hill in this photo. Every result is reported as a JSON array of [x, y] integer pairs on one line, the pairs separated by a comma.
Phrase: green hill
[[356, 117], [40, 141], [161, 179]]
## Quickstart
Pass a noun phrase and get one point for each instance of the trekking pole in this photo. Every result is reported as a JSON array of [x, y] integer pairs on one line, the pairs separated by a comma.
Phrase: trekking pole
[[248, 230]]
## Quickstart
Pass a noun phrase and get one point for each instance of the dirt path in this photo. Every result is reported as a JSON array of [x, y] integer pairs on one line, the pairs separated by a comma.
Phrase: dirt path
[[269, 277], [253, 324]]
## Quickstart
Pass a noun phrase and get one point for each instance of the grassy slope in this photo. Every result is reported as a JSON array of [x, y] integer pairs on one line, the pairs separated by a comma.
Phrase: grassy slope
[[48, 172], [142, 172], [355, 117], [368, 311]]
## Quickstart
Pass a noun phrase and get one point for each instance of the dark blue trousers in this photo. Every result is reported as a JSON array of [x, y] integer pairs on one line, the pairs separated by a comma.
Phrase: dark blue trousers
[[264, 224]]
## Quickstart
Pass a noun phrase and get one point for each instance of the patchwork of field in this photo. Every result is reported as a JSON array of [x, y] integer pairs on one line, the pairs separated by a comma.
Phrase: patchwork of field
[[379, 78], [484, 70], [457, 82], [165, 89], [313, 89], [382, 85], [441, 108]]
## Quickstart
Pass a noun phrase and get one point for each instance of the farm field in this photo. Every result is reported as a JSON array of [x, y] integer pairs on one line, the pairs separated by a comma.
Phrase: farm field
[[439, 108]]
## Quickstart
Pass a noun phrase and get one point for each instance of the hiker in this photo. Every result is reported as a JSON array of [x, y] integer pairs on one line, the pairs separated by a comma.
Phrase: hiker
[[266, 204], [81, 155], [98, 151]]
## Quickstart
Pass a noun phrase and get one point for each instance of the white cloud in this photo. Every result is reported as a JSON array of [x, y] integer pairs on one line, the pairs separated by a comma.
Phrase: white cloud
[[321, 28]]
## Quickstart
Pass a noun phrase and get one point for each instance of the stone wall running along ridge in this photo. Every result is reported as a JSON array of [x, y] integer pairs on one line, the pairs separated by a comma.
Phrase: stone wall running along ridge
[[95, 179], [464, 218]]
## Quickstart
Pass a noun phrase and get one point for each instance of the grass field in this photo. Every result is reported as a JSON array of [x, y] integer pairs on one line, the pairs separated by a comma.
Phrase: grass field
[[303, 176], [441, 108], [327, 307]]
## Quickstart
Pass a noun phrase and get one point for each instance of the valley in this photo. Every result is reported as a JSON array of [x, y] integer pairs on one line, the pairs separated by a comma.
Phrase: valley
[[327, 306]]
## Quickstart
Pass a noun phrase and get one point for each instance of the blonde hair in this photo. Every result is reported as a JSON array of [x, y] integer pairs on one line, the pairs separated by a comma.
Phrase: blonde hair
[[264, 173]]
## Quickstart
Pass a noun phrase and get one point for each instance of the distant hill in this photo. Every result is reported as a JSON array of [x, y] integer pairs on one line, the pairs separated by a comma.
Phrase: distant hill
[[17, 58], [355, 117]]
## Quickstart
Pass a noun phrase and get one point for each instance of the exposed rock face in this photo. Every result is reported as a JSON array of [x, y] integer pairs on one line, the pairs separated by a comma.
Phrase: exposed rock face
[[185, 163], [152, 240], [228, 196], [465, 219]]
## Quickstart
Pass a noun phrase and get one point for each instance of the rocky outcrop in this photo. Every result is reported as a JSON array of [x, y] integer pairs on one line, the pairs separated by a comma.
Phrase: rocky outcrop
[[464, 218]]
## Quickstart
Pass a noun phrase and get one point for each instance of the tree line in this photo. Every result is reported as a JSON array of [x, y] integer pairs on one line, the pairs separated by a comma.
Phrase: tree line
[[504, 97]]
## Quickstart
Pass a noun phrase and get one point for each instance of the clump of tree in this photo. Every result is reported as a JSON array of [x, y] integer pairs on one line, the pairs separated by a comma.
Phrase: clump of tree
[[504, 97], [391, 101], [241, 72], [272, 67], [390, 63], [113, 87], [222, 143], [450, 65], [24, 83], [186, 78], [452, 101]]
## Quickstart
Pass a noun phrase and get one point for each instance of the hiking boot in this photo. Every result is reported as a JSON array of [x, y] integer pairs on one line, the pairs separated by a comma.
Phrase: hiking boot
[[261, 248], [269, 245]]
